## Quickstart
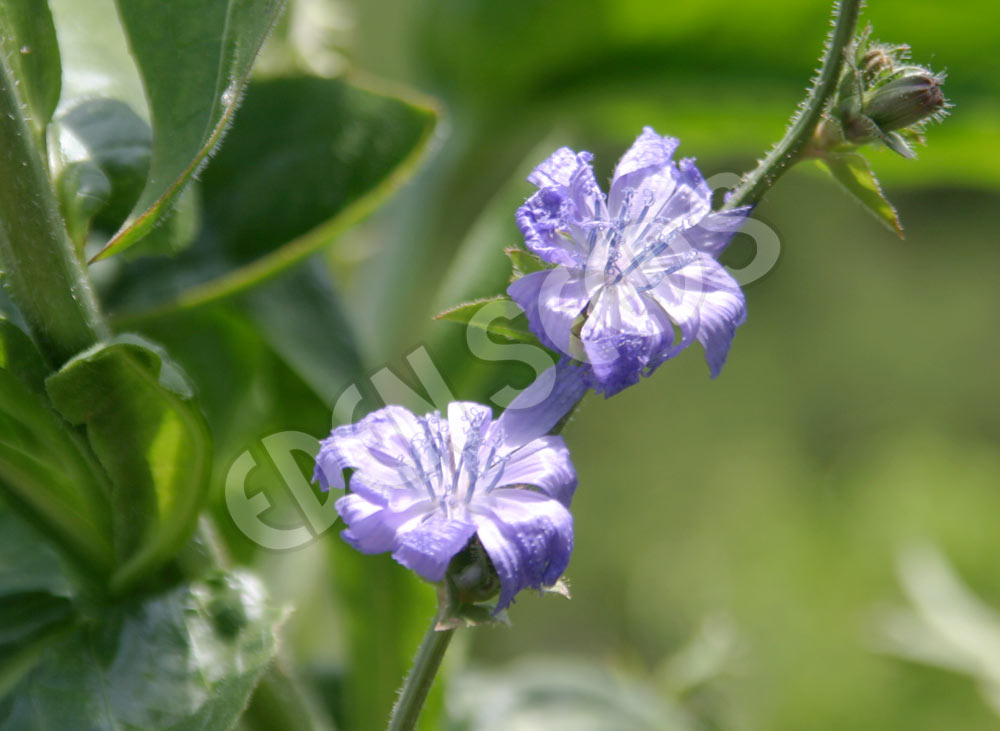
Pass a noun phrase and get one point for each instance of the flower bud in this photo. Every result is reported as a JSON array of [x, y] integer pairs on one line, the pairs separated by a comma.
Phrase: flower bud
[[905, 101], [876, 62]]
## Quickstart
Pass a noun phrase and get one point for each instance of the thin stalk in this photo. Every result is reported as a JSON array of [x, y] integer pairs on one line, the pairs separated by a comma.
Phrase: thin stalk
[[803, 124], [418, 683], [40, 268]]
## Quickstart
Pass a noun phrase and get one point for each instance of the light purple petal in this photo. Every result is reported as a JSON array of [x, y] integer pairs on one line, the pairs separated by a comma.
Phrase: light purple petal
[[373, 445], [713, 233], [551, 300], [704, 299], [543, 463], [619, 338], [374, 528], [429, 547], [558, 169], [529, 539], [646, 170], [539, 407], [543, 220]]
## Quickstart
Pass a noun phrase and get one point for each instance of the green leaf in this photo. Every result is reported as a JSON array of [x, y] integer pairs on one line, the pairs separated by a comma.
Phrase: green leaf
[[148, 432], [194, 57], [853, 172], [34, 597], [184, 661], [100, 138], [20, 356], [515, 329], [307, 159], [46, 473], [28, 40]]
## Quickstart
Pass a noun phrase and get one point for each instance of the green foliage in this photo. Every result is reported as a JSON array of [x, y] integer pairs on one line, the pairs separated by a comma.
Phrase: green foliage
[[34, 598], [45, 469], [146, 429], [514, 329], [853, 172], [28, 40], [186, 660], [193, 72], [309, 158]]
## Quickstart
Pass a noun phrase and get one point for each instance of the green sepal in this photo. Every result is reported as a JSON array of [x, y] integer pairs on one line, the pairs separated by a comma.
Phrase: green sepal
[[516, 329], [148, 432], [852, 171], [524, 262]]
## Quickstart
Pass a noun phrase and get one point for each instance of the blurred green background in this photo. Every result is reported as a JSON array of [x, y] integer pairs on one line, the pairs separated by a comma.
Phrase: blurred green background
[[738, 541], [859, 411]]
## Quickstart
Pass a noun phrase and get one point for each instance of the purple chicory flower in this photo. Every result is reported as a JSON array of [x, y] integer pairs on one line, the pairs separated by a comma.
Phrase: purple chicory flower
[[423, 486], [629, 267]]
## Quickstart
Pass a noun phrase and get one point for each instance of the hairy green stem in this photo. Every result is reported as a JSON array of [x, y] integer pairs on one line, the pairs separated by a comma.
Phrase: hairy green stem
[[41, 270], [803, 124], [418, 683]]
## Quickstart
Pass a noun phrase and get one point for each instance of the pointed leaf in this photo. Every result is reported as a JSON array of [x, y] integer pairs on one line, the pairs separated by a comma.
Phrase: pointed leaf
[[149, 434], [853, 172], [184, 661], [194, 57], [306, 159], [28, 40], [516, 329]]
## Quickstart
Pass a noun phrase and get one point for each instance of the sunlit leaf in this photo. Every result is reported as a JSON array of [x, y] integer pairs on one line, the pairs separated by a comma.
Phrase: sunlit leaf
[[148, 432], [194, 57], [852, 171], [28, 40]]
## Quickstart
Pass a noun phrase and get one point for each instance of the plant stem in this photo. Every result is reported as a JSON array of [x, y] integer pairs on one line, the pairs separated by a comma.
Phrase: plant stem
[[803, 124], [425, 666], [41, 270]]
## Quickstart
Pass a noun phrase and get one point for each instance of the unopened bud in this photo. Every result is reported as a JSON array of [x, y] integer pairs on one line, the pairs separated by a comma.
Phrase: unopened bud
[[876, 62], [905, 101]]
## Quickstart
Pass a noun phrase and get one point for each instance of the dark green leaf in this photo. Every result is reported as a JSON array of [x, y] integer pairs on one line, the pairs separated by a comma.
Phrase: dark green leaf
[[853, 172], [515, 329], [307, 158], [48, 476], [34, 597], [148, 432], [184, 661], [20, 356], [28, 40], [194, 57]]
